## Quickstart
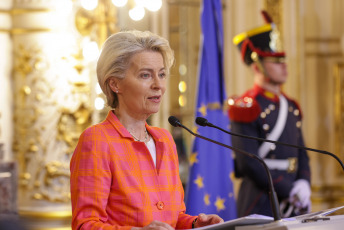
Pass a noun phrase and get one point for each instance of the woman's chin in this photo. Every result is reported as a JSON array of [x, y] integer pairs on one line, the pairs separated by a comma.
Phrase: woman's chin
[[152, 112]]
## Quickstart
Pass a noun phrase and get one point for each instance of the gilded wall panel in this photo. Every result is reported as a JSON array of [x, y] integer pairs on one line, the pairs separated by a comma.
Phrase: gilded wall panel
[[51, 109], [52, 106]]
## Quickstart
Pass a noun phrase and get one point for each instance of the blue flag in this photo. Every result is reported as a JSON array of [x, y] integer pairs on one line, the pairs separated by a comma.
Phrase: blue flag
[[210, 187]]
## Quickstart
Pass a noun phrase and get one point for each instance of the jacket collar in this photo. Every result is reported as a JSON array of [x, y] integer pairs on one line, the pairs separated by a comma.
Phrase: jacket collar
[[113, 119]]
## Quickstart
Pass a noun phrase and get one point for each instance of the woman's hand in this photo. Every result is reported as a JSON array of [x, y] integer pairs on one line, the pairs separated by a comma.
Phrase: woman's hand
[[204, 220], [155, 225]]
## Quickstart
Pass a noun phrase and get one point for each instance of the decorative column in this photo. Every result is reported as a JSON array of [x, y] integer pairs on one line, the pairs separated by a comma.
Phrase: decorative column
[[8, 169], [52, 106], [6, 98]]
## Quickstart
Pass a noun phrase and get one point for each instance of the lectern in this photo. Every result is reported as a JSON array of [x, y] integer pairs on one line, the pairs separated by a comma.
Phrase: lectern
[[317, 221]]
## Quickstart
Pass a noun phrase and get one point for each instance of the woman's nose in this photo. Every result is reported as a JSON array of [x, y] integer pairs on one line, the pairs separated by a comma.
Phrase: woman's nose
[[159, 82]]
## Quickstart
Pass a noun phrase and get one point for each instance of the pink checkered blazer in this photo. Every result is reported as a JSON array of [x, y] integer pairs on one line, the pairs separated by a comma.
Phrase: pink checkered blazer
[[115, 184]]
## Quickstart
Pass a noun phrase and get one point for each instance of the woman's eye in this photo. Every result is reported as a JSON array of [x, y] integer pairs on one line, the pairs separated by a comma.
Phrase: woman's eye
[[145, 75], [162, 75]]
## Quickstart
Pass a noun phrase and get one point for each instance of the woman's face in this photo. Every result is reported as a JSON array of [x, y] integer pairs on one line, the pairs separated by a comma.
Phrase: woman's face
[[140, 91]]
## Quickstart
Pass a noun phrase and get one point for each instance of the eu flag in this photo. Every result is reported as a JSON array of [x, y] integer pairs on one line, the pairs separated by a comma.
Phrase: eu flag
[[210, 187]]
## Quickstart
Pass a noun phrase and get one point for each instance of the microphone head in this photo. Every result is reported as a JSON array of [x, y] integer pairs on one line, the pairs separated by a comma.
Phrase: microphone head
[[174, 121], [201, 121]]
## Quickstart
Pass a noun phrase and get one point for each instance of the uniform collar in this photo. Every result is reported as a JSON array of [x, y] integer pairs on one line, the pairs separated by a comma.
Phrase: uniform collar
[[266, 93]]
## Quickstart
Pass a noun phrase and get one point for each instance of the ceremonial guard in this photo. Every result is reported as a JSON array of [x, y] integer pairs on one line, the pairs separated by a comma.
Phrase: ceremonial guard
[[265, 111]]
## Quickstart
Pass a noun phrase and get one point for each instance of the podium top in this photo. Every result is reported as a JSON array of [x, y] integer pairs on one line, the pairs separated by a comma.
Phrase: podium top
[[315, 220], [328, 223], [253, 219]]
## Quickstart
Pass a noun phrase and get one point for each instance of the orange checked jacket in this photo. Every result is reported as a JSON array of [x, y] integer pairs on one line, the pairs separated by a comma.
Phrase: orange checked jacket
[[115, 184]]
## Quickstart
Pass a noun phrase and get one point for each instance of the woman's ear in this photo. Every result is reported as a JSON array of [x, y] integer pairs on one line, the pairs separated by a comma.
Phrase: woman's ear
[[113, 83]]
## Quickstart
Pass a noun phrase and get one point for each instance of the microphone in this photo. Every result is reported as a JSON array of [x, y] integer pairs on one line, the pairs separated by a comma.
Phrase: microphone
[[273, 196], [175, 122], [204, 122]]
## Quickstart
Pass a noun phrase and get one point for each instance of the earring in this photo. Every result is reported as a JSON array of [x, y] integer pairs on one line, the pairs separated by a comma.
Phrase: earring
[[116, 91]]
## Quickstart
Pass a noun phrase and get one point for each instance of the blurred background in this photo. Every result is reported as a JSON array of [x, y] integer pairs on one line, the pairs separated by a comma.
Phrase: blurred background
[[49, 92]]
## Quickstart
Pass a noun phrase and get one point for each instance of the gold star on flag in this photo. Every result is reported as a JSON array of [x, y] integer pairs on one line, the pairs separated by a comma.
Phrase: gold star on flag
[[199, 181], [206, 199], [203, 110], [195, 129], [193, 158], [232, 176], [219, 203]]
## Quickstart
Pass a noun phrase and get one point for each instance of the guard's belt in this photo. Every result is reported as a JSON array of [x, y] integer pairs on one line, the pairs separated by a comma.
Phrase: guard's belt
[[289, 165]]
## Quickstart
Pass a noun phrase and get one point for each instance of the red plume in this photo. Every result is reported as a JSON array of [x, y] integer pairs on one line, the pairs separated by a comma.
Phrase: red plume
[[266, 16]]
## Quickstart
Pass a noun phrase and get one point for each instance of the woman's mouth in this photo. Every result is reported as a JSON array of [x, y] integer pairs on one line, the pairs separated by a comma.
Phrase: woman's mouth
[[155, 99]]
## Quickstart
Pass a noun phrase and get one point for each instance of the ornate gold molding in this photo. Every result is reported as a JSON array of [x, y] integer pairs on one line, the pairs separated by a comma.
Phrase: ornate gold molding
[[55, 228], [332, 195], [24, 30], [46, 215], [316, 41], [99, 23], [57, 220], [323, 54], [21, 11], [319, 40], [44, 170], [17, 11]]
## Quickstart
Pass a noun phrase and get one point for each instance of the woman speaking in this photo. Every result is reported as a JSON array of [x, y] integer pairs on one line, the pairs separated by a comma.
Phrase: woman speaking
[[125, 173]]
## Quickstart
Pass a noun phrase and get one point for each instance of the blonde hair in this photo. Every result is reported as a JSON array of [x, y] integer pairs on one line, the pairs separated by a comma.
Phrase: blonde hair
[[117, 51]]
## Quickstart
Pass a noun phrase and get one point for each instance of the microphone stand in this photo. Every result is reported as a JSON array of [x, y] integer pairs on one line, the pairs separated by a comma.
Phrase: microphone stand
[[204, 122], [272, 193]]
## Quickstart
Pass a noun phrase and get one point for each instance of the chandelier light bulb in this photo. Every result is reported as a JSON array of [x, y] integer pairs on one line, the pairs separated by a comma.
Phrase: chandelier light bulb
[[153, 5], [137, 13], [119, 3], [89, 4], [99, 103]]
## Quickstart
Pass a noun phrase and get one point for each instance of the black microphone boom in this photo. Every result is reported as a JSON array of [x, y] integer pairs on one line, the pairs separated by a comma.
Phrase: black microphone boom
[[273, 197], [174, 121], [204, 122]]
